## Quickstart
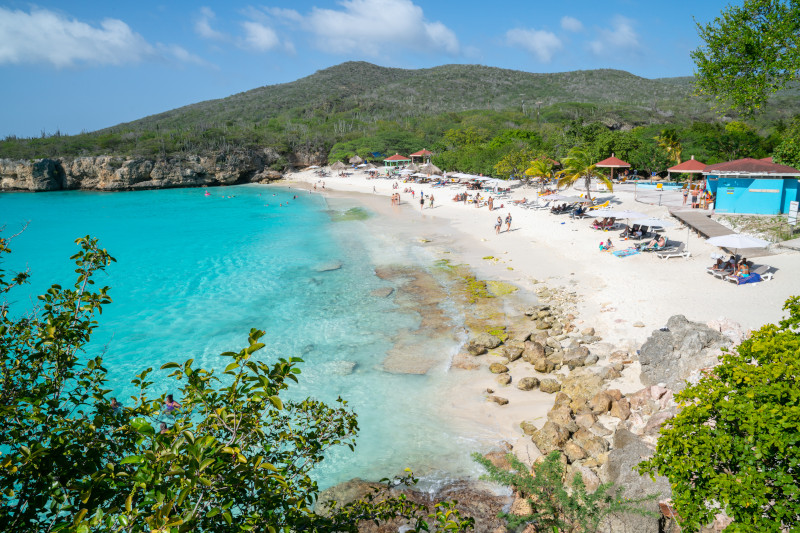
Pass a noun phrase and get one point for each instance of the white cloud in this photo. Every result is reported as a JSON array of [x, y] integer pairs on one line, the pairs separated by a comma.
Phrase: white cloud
[[260, 37], [621, 37], [203, 25], [43, 36], [285, 14], [371, 26], [542, 44], [571, 24]]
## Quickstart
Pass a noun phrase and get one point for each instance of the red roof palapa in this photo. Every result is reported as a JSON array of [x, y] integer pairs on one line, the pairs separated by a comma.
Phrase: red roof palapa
[[397, 157], [750, 166], [612, 162], [421, 153], [691, 166]]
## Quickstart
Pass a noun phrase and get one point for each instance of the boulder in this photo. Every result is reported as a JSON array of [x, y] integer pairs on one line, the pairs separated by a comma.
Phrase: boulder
[[544, 365], [498, 368], [503, 379], [656, 421], [550, 438], [535, 309], [585, 420], [627, 453], [670, 355], [600, 403], [476, 349], [590, 442], [587, 332], [513, 351], [528, 427], [526, 451], [562, 415], [582, 383], [620, 409], [528, 383], [575, 357], [486, 339], [549, 385], [533, 350], [499, 400], [574, 452]]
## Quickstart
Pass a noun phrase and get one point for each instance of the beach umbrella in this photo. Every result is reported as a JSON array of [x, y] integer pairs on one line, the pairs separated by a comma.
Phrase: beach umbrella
[[653, 222], [313, 166], [338, 166], [564, 198], [619, 213], [737, 241], [430, 168], [362, 165], [355, 160], [406, 171]]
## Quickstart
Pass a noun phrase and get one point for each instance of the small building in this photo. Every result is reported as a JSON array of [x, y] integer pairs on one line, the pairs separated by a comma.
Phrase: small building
[[396, 160], [423, 155], [752, 186]]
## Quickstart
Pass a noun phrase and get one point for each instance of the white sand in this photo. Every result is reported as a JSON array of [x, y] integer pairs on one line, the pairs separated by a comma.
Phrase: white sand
[[615, 293]]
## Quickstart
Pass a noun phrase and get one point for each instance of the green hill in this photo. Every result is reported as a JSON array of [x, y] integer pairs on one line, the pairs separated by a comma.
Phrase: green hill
[[354, 99]]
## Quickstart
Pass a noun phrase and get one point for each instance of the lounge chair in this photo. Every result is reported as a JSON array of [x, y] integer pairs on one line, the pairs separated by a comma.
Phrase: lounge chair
[[765, 272], [680, 251], [630, 230]]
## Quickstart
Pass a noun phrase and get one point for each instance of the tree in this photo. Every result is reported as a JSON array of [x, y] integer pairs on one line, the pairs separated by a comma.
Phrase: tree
[[554, 505], [735, 444], [668, 141], [749, 52], [233, 457], [514, 163], [541, 168], [788, 151], [578, 165]]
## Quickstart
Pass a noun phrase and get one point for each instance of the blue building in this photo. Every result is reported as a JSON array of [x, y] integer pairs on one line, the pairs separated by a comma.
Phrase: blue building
[[752, 186]]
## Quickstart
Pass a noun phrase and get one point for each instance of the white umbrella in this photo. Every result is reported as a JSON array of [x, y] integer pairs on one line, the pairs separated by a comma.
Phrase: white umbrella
[[362, 165], [564, 198], [406, 171], [737, 241], [619, 213], [314, 166], [657, 222]]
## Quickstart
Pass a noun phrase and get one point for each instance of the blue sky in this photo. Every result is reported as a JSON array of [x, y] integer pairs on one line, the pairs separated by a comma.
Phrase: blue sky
[[85, 65]]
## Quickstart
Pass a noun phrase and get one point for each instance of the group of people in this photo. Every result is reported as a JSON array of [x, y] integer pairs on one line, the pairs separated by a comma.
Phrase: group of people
[[700, 198], [733, 267], [395, 198], [499, 224]]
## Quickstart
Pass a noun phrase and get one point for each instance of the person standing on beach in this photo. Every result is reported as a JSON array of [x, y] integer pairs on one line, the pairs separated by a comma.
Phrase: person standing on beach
[[498, 225], [508, 222], [430, 206], [421, 202], [491, 203], [685, 195]]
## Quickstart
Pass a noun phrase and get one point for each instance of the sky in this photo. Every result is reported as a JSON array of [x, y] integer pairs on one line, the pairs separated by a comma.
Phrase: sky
[[73, 66]]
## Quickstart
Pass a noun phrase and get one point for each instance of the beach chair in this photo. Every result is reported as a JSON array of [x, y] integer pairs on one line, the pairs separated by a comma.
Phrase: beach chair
[[644, 230], [600, 206], [680, 251], [764, 272], [630, 230]]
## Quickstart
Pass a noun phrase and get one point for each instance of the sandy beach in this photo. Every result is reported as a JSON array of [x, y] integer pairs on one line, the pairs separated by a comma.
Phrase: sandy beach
[[623, 298]]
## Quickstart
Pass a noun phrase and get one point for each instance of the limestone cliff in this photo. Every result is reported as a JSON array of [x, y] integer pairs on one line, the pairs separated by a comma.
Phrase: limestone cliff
[[113, 173]]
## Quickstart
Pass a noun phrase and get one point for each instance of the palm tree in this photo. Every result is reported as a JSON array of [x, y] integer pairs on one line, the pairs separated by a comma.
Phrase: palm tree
[[578, 164], [540, 168], [669, 142]]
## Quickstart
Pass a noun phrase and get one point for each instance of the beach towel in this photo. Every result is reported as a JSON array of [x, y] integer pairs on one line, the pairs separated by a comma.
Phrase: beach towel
[[626, 252], [752, 278]]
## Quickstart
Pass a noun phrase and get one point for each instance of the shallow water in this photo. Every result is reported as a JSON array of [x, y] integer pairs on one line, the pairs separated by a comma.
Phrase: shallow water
[[194, 273]]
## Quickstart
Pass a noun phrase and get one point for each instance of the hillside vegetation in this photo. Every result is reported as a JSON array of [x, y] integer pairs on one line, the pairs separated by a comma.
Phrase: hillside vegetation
[[357, 106]]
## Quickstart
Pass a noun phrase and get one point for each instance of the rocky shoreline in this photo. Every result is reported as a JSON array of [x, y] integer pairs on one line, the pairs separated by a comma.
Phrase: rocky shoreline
[[115, 173], [600, 431]]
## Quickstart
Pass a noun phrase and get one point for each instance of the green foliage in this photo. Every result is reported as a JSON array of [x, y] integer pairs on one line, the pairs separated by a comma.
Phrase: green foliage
[[788, 151], [234, 456], [515, 163], [735, 444], [749, 52], [578, 166], [554, 505]]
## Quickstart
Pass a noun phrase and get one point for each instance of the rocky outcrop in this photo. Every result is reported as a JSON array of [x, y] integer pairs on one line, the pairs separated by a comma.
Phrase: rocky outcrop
[[112, 173], [673, 354]]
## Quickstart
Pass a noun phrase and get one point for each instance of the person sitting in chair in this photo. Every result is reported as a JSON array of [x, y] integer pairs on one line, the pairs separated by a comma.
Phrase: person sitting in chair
[[657, 243]]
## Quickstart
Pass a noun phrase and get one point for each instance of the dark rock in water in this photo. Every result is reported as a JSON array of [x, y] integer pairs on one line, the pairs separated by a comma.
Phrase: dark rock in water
[[671, 356], [487, 339], [383, 292], [328, 267], [628, 451]]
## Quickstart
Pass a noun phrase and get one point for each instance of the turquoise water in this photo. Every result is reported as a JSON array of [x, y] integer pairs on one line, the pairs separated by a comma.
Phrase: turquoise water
[[194, 273]]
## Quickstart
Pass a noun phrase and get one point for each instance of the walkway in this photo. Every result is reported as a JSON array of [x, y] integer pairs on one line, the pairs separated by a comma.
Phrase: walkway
[[699, 220]]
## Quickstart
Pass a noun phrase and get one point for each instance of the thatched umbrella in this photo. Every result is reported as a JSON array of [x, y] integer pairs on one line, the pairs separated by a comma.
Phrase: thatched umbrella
[[338, 166], [413, 167], [430, 168], [369, 166], [355, 160]]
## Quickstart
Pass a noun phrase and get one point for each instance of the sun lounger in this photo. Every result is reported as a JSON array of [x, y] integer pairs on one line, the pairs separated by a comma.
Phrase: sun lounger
[[763, 272], [680, 251]]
